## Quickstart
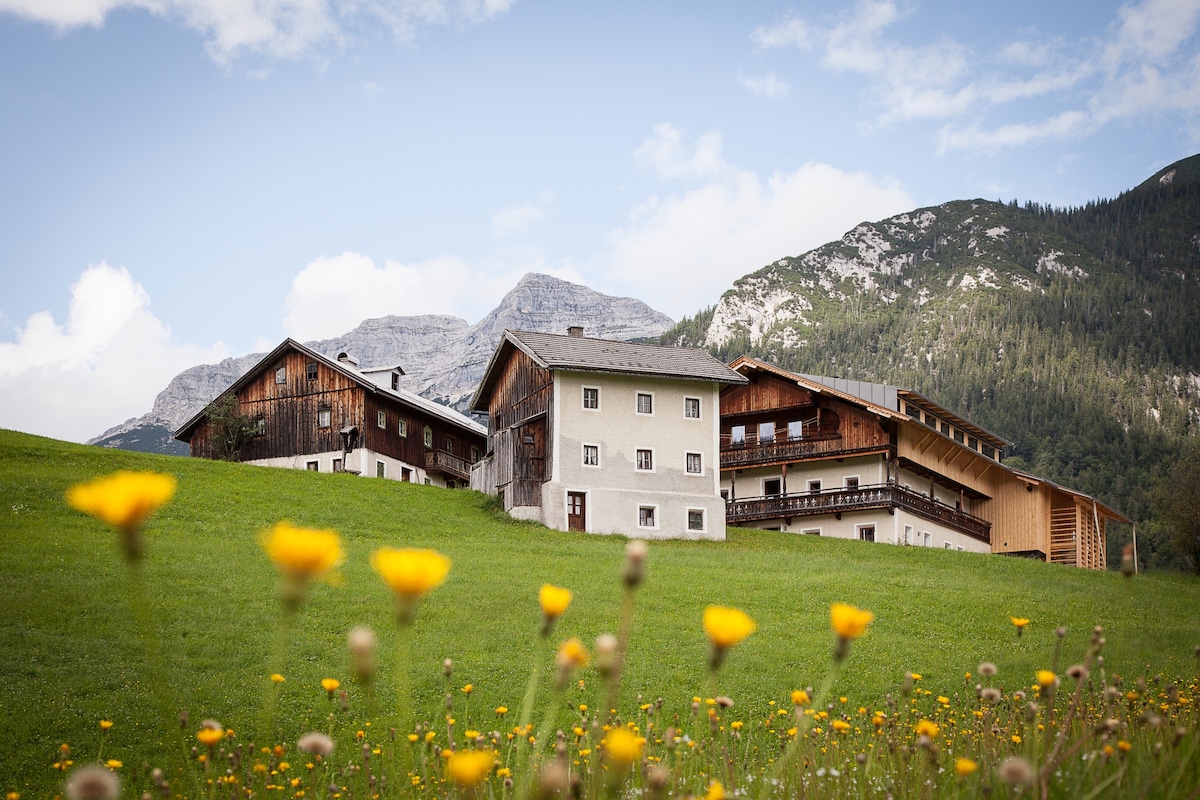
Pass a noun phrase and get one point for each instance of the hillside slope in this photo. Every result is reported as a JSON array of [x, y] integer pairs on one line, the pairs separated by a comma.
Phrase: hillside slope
[[1073, 332]]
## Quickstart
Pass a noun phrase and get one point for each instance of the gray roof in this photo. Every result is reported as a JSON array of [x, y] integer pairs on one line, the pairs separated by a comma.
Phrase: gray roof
[[583, 354], [881, 394]]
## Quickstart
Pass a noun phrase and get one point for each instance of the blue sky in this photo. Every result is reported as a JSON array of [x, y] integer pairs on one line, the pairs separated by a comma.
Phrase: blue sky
[[184, 180]]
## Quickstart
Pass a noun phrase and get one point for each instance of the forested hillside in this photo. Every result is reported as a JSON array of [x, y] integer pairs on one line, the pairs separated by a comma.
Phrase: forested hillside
[[1073, 332]]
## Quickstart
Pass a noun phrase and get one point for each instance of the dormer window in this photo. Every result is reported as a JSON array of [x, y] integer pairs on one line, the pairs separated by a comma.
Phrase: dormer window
[[395, 381]]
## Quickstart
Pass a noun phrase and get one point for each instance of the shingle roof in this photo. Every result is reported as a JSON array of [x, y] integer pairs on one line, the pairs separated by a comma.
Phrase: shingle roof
[[583, 354]]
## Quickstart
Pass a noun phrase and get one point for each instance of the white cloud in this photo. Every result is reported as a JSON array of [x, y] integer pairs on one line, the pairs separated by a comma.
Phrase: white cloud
[[681, 251], [514, 219], [332, 295], [105, 365], [1145, 63], [767, 86], [276, 28], [664, 153]]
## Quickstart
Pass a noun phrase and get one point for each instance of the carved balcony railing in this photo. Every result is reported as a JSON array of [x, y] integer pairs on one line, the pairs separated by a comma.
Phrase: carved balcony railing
[[749, 454], [447, 463], [833, 501]]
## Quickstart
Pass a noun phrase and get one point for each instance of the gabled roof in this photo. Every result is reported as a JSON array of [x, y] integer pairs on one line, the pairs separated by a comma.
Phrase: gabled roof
[[583, 354], [400, 395], [1100, 509]]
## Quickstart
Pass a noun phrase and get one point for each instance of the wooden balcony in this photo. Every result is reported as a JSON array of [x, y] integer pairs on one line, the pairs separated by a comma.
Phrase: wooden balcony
[[447, 464], [782, 450], [863, 498]]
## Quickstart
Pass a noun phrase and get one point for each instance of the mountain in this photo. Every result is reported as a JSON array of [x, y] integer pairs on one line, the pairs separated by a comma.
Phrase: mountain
[[1073, 332], [443, 357]]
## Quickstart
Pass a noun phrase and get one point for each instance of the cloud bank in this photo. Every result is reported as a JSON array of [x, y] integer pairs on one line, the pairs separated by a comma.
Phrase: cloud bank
[[104, 365]]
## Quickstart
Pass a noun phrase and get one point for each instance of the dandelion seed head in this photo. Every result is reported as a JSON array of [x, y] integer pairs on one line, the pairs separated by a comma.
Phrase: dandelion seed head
[[93, 782]]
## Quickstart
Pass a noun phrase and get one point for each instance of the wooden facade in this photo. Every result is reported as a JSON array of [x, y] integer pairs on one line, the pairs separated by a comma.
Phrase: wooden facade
[[521, 430], [307, 404], [930, 463]]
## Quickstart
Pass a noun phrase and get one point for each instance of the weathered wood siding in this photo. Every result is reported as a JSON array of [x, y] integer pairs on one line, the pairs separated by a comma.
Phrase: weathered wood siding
[[518, 414], [770, 399]]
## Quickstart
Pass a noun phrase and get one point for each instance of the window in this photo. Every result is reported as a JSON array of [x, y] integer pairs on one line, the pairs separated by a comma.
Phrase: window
[[928, 539], [948, 546], [811, 531], [972, 443], [323, 417], [312, 466], [448, 444], [737, 435], [913, 411], [402, 427], [645, 459], [475, 454], [772, 487], [645, 403], [866, 533], [406, 474], [989, 451], [944, 427], [908, 534], [766, 432], [691, 407], [395, 381], [646, 516], [958, 436], [310, 371], [337, 465], [795, 429], [281, 375], [381, 418], [591, 398], [591, 455], [814, 487], [695, 519], [260, 426], [695, 464], [852, 483], [380, 469], [931, 420], [429, 437]]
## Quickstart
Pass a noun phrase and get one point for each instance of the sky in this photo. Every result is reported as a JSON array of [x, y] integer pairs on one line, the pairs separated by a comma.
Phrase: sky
[[186, 180]]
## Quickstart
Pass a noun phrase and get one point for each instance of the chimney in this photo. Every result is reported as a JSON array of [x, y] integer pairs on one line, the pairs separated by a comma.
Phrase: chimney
[[575, 331]]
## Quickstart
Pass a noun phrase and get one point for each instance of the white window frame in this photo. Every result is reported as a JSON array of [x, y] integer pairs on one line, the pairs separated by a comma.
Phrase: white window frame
[[928, 538], [773, 478], [699, 407], [734, 439], [381, 418], [811, 531], [687, 463], [584, 451], [637, 459], [799, 423], [815, 486], [324, 417], [583, 398], [312, 466], [703, 520], [428, 437], [637, 403], [653, 526], [774, 430], [380, 469], [846, 482], [908, 535], [858, 532], [402, 427]]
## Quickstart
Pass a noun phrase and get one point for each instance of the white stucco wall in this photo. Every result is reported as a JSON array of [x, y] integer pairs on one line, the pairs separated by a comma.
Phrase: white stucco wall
[[360, 460], [616, 489]]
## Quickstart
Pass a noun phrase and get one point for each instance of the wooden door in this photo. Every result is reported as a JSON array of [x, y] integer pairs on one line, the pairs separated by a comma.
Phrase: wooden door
[[576, 511]]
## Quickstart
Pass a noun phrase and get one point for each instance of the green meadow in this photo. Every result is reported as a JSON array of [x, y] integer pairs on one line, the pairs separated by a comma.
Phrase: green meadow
[[72, 652]]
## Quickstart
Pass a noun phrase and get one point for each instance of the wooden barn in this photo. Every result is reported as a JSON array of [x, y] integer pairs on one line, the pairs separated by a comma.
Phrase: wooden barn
[[312, 412], [851, 459], [604, 436]]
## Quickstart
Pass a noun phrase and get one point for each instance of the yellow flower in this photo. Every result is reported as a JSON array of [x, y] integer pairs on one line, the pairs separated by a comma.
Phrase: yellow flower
[[964, 767], [1124, 746], [554, 600], [572, 654], [113, 763], [124, 500], [210, 736], [469, 768], [105, 724], [849, 622], [623, 746], [303, 553], [1046, 678], [800, 698], [927, 728], [277, 678], [840, 725], [468, 688], [715, 791], [410, 572], [501, 710], [727, 626], [1019, 623]]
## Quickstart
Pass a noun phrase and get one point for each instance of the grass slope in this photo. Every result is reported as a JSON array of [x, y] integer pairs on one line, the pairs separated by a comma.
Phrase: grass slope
[[71, 655]]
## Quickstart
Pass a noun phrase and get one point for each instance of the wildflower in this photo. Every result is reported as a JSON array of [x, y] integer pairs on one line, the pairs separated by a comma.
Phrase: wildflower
[[113, 763], [848, 623], [330, 685], [124, 500], [468, 688], [572, 654], [1078, 672], [987, 669], [210, 736], [1124, 746], [554, 601], [411, 573], [928, 728], [277, 678], [964, 767], [93, 782], [1019, 623], [501, 710], [726, 627], [800, 698], [841, 726], [715, 791], [1016, 771], [105, 724], [469, 768], [316, 743], [623, 746]]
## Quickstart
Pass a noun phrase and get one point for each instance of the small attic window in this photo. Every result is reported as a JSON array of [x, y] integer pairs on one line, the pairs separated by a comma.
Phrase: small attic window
[[311, 371], [395, 381], [281, 374]]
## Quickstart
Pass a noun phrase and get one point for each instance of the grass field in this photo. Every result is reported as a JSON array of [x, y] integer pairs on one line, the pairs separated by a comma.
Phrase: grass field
[[71, 653]]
